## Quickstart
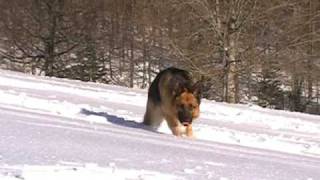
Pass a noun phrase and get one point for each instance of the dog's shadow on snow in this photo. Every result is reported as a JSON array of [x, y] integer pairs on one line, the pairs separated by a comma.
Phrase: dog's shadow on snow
[[117, 120]]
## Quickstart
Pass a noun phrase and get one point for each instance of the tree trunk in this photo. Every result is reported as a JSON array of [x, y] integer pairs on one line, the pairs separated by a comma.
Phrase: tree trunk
[[232, 74], [53, 13], [311, 54], [132, 29], [50, 47], [232, 78], [296, 93], [144, 57], [131, 68]]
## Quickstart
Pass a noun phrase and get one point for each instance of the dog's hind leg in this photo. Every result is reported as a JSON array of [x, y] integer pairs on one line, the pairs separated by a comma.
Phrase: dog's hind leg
[[153, 116]]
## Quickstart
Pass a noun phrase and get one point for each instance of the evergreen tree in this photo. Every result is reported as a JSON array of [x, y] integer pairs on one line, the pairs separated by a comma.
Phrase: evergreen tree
[[268, 87]]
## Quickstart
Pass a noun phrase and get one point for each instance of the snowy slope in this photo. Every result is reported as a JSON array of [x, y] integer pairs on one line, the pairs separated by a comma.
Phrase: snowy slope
[[63, 129]]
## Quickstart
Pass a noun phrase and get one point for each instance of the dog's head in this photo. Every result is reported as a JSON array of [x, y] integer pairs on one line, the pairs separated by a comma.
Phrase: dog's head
[[187, 104]]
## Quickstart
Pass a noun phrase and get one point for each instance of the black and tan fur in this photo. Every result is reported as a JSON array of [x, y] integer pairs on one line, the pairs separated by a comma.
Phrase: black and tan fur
[[174, 97]]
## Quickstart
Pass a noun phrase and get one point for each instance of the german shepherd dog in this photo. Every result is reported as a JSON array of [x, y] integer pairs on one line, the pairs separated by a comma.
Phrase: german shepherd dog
[[174, 97]]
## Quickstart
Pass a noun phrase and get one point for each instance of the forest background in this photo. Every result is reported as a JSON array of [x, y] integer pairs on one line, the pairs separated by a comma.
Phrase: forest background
[[244, 51]]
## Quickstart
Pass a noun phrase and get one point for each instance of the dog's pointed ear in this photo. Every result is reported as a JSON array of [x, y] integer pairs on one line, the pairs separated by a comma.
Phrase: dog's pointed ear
[[197, 90]]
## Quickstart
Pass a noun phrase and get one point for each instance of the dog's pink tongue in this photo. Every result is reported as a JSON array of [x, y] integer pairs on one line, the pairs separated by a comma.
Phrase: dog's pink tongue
[[185, 123]]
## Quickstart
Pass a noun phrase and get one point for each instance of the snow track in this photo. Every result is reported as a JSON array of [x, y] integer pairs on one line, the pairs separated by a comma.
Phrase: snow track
[[62, 129]]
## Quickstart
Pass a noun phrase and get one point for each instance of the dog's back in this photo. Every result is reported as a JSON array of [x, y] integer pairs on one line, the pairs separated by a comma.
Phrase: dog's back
[[168, 81]]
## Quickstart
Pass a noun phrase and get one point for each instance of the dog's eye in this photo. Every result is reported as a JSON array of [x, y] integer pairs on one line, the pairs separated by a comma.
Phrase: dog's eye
[[191, 107]]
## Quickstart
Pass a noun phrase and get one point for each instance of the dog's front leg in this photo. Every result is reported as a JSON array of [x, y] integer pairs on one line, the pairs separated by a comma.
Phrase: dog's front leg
[[173, 125], [176, 131], [189, 131]]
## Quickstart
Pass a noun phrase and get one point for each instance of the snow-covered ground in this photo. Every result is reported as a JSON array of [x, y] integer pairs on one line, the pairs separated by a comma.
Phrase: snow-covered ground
[[63, 129]]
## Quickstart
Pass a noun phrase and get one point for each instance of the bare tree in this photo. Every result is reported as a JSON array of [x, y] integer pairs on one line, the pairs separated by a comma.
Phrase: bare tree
[[39, 31]]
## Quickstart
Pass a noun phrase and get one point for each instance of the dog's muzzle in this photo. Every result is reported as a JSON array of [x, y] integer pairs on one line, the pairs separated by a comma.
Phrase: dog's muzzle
[[185, 117]]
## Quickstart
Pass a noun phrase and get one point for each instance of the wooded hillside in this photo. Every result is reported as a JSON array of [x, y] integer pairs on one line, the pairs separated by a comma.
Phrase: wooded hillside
[[262, 52]]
